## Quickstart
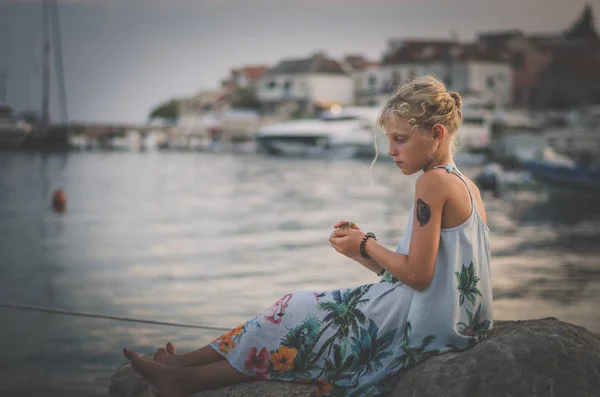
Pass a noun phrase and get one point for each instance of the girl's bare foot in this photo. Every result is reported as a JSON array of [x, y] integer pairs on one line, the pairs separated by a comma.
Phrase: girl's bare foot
[[169, 357], [169, 381]]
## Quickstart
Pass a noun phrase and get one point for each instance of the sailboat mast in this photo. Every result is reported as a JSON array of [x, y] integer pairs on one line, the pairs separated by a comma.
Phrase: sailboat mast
[[58, 62], [45, 67]]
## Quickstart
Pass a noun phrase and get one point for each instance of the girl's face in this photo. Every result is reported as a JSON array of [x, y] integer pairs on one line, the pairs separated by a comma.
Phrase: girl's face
[[410, 148]]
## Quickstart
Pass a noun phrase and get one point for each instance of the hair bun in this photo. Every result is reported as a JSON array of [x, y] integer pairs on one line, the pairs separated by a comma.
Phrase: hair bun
[[457, 99]]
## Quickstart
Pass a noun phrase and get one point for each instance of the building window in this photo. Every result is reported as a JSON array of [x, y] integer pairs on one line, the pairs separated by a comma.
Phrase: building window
[[491, 83], [271, 84], [287, 88], [372, 80]]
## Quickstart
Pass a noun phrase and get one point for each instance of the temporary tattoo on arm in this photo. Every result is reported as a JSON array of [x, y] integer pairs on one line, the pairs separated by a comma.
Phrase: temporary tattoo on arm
[[423, 212]]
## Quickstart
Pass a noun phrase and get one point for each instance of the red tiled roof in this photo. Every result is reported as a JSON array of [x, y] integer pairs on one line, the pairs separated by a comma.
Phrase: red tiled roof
[[439, 51], [254, 73]]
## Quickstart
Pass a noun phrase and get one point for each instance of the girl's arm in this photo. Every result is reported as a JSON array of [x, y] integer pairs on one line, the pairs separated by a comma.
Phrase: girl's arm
[[370, 264], [416, 269]]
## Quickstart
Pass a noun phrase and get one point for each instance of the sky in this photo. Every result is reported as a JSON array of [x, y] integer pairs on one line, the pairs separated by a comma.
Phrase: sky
[[122, 58]]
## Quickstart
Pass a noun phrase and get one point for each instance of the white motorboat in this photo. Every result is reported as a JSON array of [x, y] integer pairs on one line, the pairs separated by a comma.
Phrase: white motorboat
[[346, 133]]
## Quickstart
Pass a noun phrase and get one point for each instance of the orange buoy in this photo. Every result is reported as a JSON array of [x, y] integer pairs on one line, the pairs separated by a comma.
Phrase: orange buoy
[[59, 201]]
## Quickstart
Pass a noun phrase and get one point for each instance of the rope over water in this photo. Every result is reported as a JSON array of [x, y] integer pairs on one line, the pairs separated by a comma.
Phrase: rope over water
[[107, 317]]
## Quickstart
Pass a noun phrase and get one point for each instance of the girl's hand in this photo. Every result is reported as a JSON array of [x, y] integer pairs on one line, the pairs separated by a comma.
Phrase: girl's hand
[[346, 225], [347, 241]]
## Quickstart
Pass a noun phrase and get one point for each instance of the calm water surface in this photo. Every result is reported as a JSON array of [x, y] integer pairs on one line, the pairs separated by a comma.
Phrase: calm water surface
[[213, 238]]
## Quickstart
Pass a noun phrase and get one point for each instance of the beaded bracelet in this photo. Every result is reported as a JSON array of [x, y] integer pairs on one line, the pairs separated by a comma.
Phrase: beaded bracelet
[[363, 253]]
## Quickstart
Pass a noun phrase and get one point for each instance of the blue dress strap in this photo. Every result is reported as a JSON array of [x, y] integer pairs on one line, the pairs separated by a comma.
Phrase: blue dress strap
[[451, 169]]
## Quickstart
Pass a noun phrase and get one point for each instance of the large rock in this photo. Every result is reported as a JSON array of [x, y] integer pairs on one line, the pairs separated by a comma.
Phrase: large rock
[[544, 357]]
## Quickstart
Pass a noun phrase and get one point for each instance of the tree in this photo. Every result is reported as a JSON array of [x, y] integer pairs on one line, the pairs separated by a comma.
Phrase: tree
[[168, 111], [584, 26]]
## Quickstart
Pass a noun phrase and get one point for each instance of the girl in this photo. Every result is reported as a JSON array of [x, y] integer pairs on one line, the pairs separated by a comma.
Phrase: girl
[[434, 295]]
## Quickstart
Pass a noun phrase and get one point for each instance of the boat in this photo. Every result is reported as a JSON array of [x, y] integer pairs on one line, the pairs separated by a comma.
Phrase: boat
[[516, 137], [569, 158], [497, 179], [502, 133], [578, 177], [576, 134], [338, 133], [474, 132], [13, 129], [127, 141], [564, 173]]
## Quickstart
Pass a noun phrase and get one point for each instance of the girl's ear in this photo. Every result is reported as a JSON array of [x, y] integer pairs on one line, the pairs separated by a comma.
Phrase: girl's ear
[[439, 133]]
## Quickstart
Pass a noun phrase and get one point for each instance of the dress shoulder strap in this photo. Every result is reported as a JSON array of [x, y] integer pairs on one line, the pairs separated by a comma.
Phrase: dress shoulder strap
[[453, 170]]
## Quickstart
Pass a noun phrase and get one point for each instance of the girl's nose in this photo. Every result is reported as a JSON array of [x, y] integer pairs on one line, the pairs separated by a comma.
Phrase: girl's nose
[[392, 150]]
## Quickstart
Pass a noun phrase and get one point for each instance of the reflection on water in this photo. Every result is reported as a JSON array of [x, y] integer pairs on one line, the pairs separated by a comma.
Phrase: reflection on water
[[211, 239]]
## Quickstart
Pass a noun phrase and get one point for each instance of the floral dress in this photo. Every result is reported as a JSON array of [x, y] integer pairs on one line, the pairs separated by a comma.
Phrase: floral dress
[[358, 341]]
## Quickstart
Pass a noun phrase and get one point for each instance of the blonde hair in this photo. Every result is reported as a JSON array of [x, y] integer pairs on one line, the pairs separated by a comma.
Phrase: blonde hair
[[424, 102]]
